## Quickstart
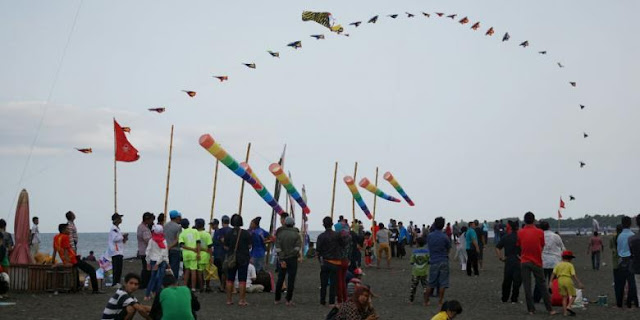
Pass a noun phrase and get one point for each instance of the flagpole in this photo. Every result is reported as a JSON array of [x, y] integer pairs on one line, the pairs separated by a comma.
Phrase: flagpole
[[115, 177], [213, 198], [353, 200], [375, 198], [242, 184], [333, 192], [166, 195], [276, 197], [291, 202]]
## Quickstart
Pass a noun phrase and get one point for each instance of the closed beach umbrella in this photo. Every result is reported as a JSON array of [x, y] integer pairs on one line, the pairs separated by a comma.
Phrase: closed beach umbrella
[[20, 254]]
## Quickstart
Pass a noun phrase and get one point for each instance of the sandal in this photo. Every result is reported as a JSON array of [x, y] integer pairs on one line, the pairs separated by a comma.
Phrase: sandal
[[243, 303], [229, 303]]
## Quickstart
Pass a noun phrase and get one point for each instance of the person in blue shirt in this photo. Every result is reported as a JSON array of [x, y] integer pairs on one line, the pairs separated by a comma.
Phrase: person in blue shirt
[[259, 239], [624, 275], [439, 245], [218, 249], [472, 250], [403, 237]]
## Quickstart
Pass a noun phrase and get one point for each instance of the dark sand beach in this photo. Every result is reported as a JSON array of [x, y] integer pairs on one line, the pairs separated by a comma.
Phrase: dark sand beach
[[480, 296]]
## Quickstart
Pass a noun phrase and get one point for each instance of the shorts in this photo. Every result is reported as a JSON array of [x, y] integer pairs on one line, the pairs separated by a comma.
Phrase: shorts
[[384, 247], [565, 286], [242, 273], [190, 264], [439, 275]]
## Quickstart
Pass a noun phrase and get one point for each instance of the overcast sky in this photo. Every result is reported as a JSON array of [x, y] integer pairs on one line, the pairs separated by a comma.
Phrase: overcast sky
[[471, 127]]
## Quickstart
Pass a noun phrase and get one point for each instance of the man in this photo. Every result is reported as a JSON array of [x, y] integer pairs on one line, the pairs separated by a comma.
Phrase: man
[[189, 241], [338, 226], [62, 247], [259, 239], [393, 239], [531, 241], [511, 279], [634, 247], [206, 248], [329, 247], [143, 234], [403, 238], [71, 218], [219, 253], [116, 248], [382, 239], [473, 249], [625, 276], [171, 233], [482, 241], [288, 245], [439, 245], [34, 241], [456, 231], [174, 302], [123, 305]]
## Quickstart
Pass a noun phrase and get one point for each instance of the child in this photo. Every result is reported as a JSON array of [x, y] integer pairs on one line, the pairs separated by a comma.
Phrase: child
[[564, 272], [368, 249], [354, 282], [449, 310], [420, 261]]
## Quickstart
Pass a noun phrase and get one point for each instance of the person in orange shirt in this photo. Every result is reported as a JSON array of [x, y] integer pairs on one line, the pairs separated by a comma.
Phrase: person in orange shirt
[[62, 247]]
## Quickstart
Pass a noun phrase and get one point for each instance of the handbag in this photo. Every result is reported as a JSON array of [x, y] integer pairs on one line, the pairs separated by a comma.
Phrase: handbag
[[230, 261]]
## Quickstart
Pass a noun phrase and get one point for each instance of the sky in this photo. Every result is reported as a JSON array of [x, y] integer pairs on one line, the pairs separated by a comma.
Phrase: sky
[[471, 127]]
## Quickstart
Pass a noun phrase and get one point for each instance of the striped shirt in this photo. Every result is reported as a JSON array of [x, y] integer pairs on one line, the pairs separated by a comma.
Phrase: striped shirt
[[117, 303]]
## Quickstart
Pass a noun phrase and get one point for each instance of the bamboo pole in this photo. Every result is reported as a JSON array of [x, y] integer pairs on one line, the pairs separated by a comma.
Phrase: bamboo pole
[[166, 195], [353, 200], [375, 198], [333, 193], [115, 177], [213, 197], [242, 184]]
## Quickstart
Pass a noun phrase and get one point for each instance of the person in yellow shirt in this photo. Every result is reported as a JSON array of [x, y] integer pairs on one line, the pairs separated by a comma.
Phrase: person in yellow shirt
[[189, 240], [206, 245], [450, 309], [566, 275]]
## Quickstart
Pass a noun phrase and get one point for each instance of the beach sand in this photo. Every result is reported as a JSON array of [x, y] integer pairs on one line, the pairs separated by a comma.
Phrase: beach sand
[[480, 296]]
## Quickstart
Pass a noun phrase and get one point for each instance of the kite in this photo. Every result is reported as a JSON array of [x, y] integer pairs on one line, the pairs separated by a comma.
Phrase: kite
[[389, 177], [323, 18], [506, 37], [464, 20], [252, 65], [295, 44], [158, 110], [261, 190], [453, 16], [274, 54], [542, 52], [571, 198], [560, 65], [126, 129], [356, 196], [356, 24], [426, 14], [489, 32], [410, 15], [573, 84], [585, 135], [525, 44], [582, 164], [365, 183], [318, 36], [475, 26], [222, 78], [190, 93], [440, 14], [395, 15], [581, 106], [207, 142], [85, 150], [373, 20], [276, 170]]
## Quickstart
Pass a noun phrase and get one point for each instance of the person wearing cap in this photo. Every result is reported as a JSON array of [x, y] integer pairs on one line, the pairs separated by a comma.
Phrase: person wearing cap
[[288, 245], [189, 241], [206, 247], [143, 234], [157, 260], [566, 275], [259, 239], [116, 248], [219, 252], [172, 231]]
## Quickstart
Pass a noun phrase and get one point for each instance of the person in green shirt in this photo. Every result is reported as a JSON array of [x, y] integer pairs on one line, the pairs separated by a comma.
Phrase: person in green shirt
[[206, 245], [420, 262], [189, 241], [174, 302]]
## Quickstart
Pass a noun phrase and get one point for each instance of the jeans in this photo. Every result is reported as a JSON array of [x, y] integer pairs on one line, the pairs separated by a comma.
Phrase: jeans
[[401, 251], [511, 281], [595, 260], [537, 291], [116, 261], [623, 277], [174, 262], [472, 262], [527, 269], [290, 271], [88, 269], [328, 277], [155, 281]]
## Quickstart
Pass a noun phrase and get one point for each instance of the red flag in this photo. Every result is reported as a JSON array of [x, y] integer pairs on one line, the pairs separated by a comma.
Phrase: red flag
[[124, 150], [559, 214], [561, 203]]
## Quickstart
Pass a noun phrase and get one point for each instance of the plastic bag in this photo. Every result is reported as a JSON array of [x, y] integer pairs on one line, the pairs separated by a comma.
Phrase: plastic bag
[[211, 272]]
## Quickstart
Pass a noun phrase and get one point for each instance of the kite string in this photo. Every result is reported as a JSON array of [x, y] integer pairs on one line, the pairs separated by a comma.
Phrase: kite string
[[46, 103]]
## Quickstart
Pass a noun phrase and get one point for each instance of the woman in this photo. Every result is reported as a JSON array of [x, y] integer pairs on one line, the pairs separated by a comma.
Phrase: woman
[[595, 248], [461, 252], [238, 242], [358, 307], [551, 256], [157, 257]]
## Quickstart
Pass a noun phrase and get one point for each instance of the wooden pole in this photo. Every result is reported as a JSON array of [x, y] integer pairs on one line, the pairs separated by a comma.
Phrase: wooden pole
[[213, 197], [242, 185], [333, 193], [375, 198], [115, 178], [166, 195], [353, 200]]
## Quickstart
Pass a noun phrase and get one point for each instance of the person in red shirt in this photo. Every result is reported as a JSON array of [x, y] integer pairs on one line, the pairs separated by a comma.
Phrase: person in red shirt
[[62, 247], [531, 242]]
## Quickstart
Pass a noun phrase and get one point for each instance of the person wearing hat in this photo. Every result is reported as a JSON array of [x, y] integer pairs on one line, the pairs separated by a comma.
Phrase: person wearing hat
[[143, 234], [157, 260], [288, 245], [259, 239], [172, 231], [566, 275], [219, 252], [116, 248], [206, 247]]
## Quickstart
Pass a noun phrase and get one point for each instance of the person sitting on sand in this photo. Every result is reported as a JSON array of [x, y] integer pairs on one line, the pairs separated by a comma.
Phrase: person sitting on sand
[[358, 307], [251, 277], [123, 305], [449, 310], [420, 262], [174, 302], [566, 274], [91, 257]]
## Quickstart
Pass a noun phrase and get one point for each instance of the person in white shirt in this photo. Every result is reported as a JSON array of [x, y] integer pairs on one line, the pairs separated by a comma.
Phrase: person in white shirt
[[35, 237], [551, 255], [116, 248], [251, 276]]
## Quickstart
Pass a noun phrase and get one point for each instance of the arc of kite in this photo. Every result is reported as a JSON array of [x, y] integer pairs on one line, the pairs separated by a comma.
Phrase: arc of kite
[[277, 171], [348, 180], [366, 184], [389, 177]]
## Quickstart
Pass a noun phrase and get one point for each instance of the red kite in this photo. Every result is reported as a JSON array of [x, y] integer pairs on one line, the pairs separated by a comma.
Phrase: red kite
[[475, 26], [464, 20], [158, 110], [222, 78], [489, 32], [190, 93], [440, 14], [126, 129], [85, 150]]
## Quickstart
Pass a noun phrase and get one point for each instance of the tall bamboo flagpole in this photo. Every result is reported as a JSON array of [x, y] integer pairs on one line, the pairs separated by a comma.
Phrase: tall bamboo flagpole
[[353, 200], [115, 177], [375, 198], [333, 192], [213, 197], [242, 185], [166, 195]]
